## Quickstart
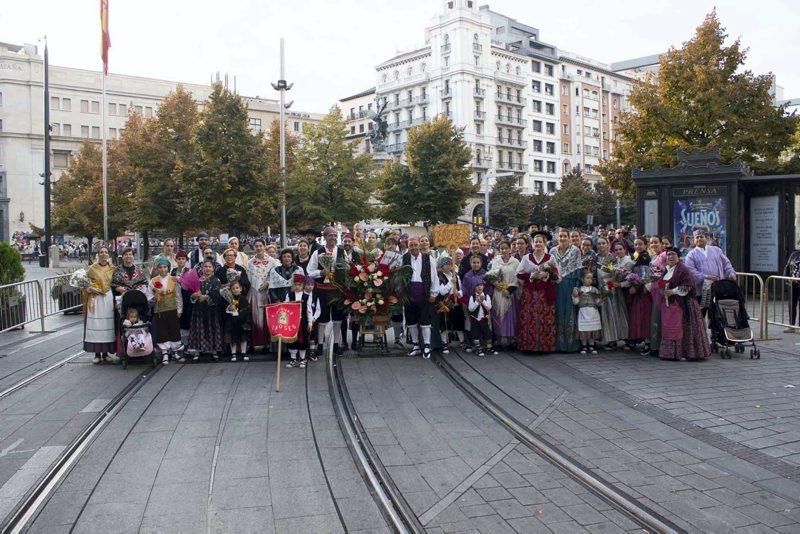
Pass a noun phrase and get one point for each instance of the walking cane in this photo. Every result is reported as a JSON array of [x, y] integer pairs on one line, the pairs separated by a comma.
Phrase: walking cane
[[278, 368]]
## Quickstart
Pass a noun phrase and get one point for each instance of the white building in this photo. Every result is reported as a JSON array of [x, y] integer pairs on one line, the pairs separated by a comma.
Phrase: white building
[[75, 97], [356, 110], [495, 77]]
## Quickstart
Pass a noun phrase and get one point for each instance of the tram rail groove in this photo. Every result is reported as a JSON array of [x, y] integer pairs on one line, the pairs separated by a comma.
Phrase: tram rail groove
[[20, 518], [636, 510], [25, 381], [390, 501]]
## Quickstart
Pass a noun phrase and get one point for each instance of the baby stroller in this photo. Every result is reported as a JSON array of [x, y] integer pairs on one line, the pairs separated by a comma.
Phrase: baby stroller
[[137, 342], [728, 320]]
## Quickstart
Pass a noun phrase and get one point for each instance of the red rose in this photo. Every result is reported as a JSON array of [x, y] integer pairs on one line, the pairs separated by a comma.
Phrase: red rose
[[157, 284], [384, 269]]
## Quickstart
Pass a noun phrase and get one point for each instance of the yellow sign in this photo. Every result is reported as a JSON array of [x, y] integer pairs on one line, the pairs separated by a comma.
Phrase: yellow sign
[[451, 236]]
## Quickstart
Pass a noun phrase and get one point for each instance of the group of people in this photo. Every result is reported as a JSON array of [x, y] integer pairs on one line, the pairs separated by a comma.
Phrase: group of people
[[532, 291]]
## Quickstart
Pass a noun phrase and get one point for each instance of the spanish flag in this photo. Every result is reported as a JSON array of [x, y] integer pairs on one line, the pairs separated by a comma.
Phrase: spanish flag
[[105, 39]]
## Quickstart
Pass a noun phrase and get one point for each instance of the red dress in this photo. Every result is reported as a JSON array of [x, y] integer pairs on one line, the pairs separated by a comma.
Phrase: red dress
[[536, 329]]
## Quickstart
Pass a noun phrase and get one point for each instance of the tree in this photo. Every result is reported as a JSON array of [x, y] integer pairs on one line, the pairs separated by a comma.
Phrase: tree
[[78, 195], [224, 183], [329, 182], [570, 204], [507, 205], [701, 98], [434, 184], [273, 154]]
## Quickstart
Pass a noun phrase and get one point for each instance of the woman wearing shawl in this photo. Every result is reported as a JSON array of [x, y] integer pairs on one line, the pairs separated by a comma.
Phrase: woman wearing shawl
[[205, 335], [504, 306], [99, 333], [658, 265], [258, 273], [683, 330], [613, 314], [567, 258], [538, 274], [640, 303], [280, 277]]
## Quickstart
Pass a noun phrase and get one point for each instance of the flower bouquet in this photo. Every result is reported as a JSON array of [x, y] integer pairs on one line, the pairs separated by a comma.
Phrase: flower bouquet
[[81, 280], [190, 281], [373, 289]]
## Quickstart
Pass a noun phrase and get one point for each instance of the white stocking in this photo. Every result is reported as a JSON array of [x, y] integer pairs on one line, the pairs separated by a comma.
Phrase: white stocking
[[337, 332], [414, 334], [426, 334]]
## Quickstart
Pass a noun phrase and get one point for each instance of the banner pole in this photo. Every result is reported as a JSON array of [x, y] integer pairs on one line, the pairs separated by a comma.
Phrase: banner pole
[[278, 369]]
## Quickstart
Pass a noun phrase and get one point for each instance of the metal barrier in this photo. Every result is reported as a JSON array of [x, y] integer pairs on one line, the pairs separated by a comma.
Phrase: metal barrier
[[782, 293], [33, 300], [752, 287]]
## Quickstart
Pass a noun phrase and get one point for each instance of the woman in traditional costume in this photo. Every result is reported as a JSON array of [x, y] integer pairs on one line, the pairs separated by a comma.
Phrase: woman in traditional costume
[[168, 307], [303, 255], [241, 258], [640, 304], [683, 330], [567, 258], [205, 336], [504, 306], [258, 273], [99, 332], [613, 314], [588, 258], [658, 266], [280, 278], [127, 277], [538, 274]]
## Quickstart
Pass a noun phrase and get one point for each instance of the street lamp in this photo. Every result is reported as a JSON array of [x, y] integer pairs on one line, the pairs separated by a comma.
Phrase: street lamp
[[490, 174], [283, 86]]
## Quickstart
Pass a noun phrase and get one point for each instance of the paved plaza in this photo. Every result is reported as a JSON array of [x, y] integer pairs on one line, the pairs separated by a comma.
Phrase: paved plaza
[[711, 446]]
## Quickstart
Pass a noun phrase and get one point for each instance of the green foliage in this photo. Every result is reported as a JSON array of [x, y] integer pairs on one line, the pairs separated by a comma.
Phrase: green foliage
[[703, 97], [507, 205], [11, 270], [434, 184], [225, 184], [570, 204], [328, 182]]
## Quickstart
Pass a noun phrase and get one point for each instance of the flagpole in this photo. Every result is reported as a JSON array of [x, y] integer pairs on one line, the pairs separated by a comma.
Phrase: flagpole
[[105, 164]]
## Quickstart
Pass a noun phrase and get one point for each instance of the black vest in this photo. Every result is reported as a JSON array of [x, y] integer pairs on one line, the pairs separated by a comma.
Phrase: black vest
[[426, 270]]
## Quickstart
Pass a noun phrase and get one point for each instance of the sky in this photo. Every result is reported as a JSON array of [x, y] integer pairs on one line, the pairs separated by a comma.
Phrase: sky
[[332, 46]]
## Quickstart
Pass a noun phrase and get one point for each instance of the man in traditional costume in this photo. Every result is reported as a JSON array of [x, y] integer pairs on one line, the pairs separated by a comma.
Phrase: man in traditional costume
[[322, 267], [707, 264], [197, 255], [422, 294], [351, 254]]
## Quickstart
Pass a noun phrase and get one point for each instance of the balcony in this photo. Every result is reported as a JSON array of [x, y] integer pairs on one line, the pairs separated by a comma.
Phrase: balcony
[[391, 86], [511, 142], [511, 78], [359, 114], [395, 148], [446, 48], [513, 167], [398, 125], [479, 93], [447, 92], [510, 99], [479, 115], [510, 119], [421, 99], [483, 163], [477, 47]]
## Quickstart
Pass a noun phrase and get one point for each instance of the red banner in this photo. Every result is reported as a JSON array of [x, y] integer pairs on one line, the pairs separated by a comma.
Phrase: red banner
[[284, 320], [105, 37]]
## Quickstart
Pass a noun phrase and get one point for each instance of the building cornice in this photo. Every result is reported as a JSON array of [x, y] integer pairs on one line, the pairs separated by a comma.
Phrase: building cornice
[[584, 64], [368, 92], [407, 57]]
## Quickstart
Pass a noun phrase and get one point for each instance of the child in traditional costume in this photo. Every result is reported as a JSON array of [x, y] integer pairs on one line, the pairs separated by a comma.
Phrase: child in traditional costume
[[298, 348], [181, 257], [587, 298], [451, 314], [316, 310], [168, 308], [480, 309], [237, 321]]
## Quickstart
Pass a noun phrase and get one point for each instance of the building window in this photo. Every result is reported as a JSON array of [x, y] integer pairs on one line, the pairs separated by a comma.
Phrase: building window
[[66, 104], [138, 109], [538, 165], [148, 112], [446, 61], [84, 131], [551, 186], [565, 148], [66, 129], [95, 106], [536, 85], [538, 186], [361, 128], [255, 124], [369, 126], [536, 66], [548, 70], [551, 167], [352, 130], [84, 106], [55, 102], [566, 167], [122, 109], [550, 109], [60, 160], [548, 89], [95, 132], [588, 168], [537, 145], [537, 106], [551, 128], [551, 148], [296, 126], [478, 128], [112, 133], [1, 98], [537, 126], [112, 108], [477, 61], [565, 90]]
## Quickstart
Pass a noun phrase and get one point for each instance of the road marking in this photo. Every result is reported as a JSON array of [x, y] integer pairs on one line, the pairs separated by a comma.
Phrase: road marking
[[11, 447]]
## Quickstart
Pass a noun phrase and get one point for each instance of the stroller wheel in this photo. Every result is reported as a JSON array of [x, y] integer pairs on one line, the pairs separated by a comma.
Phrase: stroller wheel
[[758, 354], [124, 363]]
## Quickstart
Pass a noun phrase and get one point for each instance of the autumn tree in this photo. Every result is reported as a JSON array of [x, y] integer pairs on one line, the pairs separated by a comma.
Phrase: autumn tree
[[272, 149], [329, 181], [507, 205], [702, 97], [224, 182], [434, 183]]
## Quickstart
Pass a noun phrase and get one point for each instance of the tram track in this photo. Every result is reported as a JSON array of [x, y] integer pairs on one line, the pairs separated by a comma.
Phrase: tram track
[[635, 510], [39, 374], [25, 512], [397, 512]]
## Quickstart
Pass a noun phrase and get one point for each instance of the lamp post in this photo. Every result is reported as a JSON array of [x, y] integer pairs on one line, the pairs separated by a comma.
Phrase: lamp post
[[283, 86], [48, 231]]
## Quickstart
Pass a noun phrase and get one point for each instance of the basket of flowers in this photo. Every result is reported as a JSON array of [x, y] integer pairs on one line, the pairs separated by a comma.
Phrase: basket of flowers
[[374, 291]]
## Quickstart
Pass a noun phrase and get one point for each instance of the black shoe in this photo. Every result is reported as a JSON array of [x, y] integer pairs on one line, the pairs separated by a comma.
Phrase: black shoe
[[337, 350]]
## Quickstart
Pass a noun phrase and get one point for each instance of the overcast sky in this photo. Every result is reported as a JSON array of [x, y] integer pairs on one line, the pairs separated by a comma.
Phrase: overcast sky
[[333, 45]]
